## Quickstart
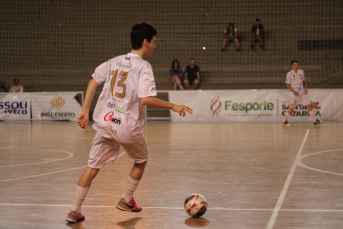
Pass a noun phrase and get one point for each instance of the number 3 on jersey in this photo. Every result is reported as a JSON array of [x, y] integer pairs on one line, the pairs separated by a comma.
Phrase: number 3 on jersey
[[120, 83]]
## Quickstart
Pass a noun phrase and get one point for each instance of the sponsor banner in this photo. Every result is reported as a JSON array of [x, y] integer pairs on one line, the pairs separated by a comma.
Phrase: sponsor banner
[[256, 105], [55, 106], [15, 106]]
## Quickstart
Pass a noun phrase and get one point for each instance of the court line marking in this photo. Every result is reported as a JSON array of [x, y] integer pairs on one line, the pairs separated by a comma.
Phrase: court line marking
[[35, 163], [45, 174], [318, 170], [286, 185], [176, 208]]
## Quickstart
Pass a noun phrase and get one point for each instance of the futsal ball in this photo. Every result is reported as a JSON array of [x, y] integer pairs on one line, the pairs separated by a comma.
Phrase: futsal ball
[[195, 205]]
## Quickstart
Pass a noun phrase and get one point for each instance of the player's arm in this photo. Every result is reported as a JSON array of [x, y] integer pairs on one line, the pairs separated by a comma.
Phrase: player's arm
[[290, 88], [84, 116], [152, 101], [198, 76]]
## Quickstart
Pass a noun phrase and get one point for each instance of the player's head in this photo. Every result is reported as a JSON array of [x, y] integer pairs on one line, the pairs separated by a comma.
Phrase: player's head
[[294, 64], [257, 21], [16, 81], [175, 64], [192, 61], [143, 35]]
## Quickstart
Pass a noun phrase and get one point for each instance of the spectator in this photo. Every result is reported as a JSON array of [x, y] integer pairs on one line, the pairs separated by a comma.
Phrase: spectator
[[192, 75], [230, 35], [257, 34], [3, 88], [16, 87], [175, 74]]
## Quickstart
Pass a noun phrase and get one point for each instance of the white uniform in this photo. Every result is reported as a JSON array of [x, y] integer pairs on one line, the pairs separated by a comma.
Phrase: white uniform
[[119, 115], [295, 80]]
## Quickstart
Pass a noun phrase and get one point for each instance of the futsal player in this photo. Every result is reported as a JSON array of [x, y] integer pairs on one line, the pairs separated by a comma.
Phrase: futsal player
[[295, 81], [119, 116]]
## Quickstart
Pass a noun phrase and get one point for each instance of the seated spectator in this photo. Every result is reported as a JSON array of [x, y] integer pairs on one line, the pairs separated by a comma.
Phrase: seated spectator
[[257, 34], [16, 87], [230, 36], [192, 75], [175, 74], [3, 88]]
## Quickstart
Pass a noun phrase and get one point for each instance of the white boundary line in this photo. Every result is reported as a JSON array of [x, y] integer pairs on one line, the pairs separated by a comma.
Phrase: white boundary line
[[44, 174], [286, 185]]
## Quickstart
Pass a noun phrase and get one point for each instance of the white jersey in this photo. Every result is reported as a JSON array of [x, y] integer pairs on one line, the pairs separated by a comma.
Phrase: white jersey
[[296, 79], [119, 112]]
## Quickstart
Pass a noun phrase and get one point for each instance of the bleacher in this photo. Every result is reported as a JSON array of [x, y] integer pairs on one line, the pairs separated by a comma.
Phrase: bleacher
[[56, 45]]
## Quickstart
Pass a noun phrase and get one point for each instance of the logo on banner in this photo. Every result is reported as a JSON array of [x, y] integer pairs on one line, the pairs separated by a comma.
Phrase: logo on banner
[[216, 105], [301, 110], [19, 108], [57, 102]]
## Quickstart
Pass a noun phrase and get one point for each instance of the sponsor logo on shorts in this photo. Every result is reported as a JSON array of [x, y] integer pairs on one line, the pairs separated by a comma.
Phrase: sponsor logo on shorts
[[108, 129], [115, 107], [57, 102], [19, 108], [109, 117]]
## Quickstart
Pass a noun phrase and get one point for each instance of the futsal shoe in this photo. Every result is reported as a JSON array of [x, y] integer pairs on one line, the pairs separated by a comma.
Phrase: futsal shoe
[[286, 123], [128, 206], [317, 122], [73, 217]]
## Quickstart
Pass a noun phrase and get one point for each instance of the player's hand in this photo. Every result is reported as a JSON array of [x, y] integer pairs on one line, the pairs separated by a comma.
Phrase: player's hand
[[181, 109], [305, 91], [83, 119], [296, 93]]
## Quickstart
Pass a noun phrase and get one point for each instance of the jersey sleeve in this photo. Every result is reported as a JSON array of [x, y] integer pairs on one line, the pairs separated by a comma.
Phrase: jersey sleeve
[[146, 84], [101, 72], [288, 78]]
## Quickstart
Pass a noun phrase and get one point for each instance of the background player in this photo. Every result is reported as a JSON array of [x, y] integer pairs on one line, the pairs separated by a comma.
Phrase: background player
[[295, 81], [119, 116]]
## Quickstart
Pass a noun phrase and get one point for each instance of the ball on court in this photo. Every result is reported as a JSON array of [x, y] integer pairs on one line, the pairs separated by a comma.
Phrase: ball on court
[[195, 205]]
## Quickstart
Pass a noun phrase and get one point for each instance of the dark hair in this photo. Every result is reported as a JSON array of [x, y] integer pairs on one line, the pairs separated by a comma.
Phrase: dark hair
[[231, 24], [294, 61], [139, 32], [191, 59], [175, 61], [16, 79], [257, 19]]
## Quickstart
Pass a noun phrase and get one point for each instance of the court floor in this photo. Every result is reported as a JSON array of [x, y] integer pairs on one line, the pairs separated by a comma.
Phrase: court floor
[[252, 175]]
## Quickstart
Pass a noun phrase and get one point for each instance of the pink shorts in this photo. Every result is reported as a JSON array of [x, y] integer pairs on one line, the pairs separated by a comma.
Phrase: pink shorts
[[105, 151], [296, 99]]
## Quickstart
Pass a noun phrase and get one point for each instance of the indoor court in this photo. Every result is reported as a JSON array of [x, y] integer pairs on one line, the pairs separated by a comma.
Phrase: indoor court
[[250, 175]]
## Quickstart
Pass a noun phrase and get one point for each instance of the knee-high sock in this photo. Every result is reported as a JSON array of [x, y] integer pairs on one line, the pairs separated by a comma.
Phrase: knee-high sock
[[286, 116], [312, 115], [80, 196], [131, 186]]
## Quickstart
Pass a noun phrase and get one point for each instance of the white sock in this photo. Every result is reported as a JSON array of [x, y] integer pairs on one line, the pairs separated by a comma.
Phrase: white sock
[[80, 196], [131, 186], [286, 116], [312, 115]]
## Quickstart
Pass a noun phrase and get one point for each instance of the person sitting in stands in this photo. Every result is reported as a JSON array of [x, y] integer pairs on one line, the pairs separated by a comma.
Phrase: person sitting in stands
[[175, 74], [230, 36], [16, 87]]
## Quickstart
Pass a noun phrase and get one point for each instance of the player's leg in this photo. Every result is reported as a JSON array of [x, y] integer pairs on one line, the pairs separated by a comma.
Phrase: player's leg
[[186, 82], [103, 152], [260, 39], [173, 80], [196, 83], [253, 40], [307, 103], [237, 43], [139, 153], [224, 43], [294, 100], [178, 82]]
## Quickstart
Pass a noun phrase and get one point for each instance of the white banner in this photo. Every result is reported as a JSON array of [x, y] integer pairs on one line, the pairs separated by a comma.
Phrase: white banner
[[256, 105], [15, 106], [55, 106]]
